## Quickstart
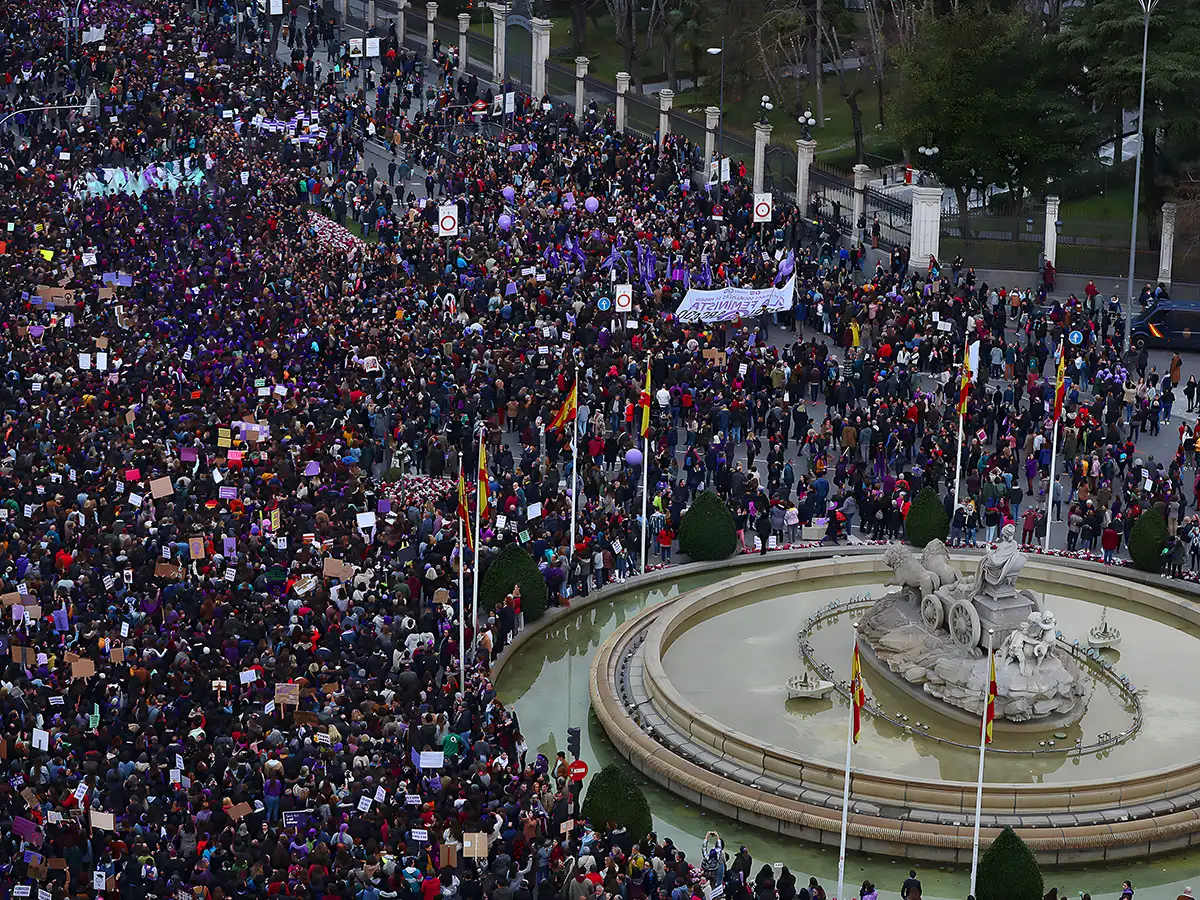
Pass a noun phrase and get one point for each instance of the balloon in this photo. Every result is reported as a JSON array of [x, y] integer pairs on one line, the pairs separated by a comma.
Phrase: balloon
[[591, 204], [509, 193], [633, 458], [505, 221]]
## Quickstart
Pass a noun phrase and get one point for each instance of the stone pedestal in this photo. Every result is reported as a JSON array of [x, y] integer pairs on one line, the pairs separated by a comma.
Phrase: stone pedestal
[[431, 9], [926, 225], [581, 70], [806, 151], [712, 118], [1166, 247], [464, 25], [623, 79], [371, 14], [401, 21], [862, 174], [762, 139], [541, 53], [666, 99], [499, 37], [1050, 246]]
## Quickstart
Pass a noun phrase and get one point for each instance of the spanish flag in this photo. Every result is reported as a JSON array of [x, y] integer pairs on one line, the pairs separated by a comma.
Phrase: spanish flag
[[568, 411], [482, 505], [1061, 386], [964, 390], [644, 403], [991, 702], [463, 513], [857, 696]]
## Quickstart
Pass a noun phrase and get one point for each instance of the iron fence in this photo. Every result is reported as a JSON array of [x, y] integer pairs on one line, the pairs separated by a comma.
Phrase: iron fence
[[560, 84], [780, 177], [833, 197], [894, 217]]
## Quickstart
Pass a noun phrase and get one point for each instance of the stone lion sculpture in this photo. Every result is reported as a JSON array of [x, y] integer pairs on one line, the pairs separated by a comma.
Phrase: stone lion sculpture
[[936, 559], [908, 573]]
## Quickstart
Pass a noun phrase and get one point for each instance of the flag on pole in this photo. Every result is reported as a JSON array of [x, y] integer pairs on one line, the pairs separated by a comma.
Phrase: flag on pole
[[857, 696], [964, 390], [567, 412], [644, 403], [463, 513], [991, 700], [1061, 385], [482, 505]]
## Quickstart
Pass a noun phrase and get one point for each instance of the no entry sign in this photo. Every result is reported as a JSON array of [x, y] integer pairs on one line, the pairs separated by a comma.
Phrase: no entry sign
[[764, 207]]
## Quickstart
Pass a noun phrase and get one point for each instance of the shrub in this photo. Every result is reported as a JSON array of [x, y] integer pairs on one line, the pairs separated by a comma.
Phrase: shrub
[[1008, 870], [1146, 541], [707, 530], [513, 566], [614, 796], [927, 519]]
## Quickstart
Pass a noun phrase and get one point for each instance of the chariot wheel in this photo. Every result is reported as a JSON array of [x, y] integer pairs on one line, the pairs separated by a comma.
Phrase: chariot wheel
[[933, 614], [964, 624]]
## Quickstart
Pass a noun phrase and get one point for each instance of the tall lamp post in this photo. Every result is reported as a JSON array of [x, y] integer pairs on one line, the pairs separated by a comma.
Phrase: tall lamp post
[[1147, 9], [806, 124], [720, 51]]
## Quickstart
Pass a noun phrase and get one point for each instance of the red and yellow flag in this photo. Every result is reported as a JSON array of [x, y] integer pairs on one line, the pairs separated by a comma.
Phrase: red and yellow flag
[[644, 403], [858, 697], [482, 486], [463, 513], [568, 411], [964, 389], [991, 701], [1061, 385]]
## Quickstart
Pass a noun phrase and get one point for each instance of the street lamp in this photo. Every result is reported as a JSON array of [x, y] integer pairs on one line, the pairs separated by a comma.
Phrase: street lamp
[[806, 123], [1147, 8], [930, 151], [764, 106], [720, 51]]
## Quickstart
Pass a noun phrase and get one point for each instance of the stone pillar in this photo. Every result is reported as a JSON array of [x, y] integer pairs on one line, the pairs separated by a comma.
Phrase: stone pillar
[[806, 151], [623, 79], [1051, 242], [862, 174], [1166, 246], [581, 69], [401, 20], [345, 11], [541, 53], [464, 25], [666, 99], [430, 15], [712, 118], [371, 13], [926, 225], [499, 39], [762, 137]]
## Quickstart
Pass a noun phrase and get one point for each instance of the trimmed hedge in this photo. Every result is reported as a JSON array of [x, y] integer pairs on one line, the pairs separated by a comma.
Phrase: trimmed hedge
[[1147, 540], [707, 530], [513, 566], [1008, 870], [614, 797], [927, 519]]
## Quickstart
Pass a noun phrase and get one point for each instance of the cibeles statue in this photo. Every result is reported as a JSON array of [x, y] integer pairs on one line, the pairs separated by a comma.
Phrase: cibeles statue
[[934, 631]]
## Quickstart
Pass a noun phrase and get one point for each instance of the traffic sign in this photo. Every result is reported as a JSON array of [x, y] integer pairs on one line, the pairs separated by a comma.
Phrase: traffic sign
[[764, 207], [604, 304], [1076, 337], [448, 220], [624, 297], [479, 108], [578, 770]]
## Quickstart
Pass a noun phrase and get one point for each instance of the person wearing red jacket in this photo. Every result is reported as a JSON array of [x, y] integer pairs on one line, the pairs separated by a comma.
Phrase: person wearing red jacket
[[1110, 540]]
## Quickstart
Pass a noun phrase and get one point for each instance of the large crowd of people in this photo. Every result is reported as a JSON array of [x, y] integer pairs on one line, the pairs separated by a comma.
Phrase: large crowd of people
[[243, 372]]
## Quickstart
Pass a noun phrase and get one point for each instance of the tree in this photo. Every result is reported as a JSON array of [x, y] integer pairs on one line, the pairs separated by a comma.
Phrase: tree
[[980, 85], [1147, 539], [1008, 870], [707, 529], [613, 797], [635, 29], [926, 519], [514, 566]]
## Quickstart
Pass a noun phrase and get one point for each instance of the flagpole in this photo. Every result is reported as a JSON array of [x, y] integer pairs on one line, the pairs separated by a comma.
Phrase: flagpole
[[962, 414], [846, 777], [475, 570], [987, 686], [645, 483], [462, 597], [1055, 412], [574, 463]]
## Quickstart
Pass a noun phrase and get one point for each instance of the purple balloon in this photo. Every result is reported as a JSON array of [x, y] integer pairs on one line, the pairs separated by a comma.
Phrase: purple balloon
[[505, 221], [591, 204], [633, 458], [509, 193]]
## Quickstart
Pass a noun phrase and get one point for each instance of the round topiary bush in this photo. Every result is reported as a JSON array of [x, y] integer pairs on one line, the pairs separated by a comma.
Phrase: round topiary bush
[[706, 530], [926, 519], [514, 566], [613, 797], [1146, 541], [1008, 870]]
